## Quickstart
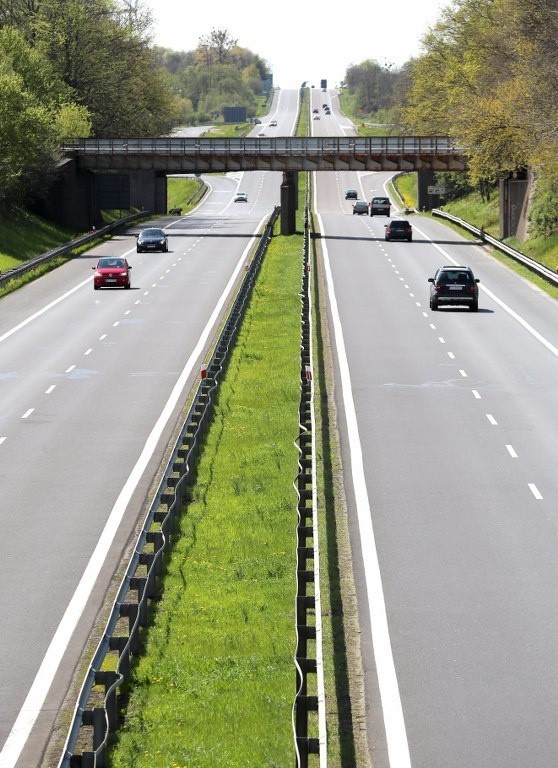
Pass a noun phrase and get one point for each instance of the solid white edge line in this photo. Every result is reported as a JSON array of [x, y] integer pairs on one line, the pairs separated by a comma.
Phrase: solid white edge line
[[32, 705], [396, 735]]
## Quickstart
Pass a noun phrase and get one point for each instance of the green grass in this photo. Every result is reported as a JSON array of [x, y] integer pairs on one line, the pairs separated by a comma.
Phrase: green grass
[[406, 185], [181, 190], [215, 686], [24, 235]]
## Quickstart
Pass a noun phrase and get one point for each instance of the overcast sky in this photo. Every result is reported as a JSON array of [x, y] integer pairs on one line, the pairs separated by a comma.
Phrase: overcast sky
[[297, 39]]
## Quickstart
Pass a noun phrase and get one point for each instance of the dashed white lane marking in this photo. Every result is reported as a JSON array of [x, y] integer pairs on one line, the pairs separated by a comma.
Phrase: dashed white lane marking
[[2, 439], [463, 373], [394, 722], [102, 337], [70, 369], [451, 356], [441, 340], [50, 389], [535, 491], [476, 394], [27, 413], [511, 451], [34, 701], [491, 419], [88, 351]]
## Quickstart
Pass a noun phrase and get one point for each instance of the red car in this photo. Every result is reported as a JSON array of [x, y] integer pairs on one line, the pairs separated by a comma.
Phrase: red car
[[112, 272]]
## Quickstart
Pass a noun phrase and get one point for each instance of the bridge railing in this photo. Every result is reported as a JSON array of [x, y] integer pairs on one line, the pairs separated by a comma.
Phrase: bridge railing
[[293, 145]]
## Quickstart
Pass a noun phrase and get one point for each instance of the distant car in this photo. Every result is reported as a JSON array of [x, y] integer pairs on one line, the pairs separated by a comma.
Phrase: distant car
[[241, 197], [398, 229], [361, 207], [257, 121], [315, 110], [111, 272], [261, 133], [273, 123], [380, 206], [454, 286], [316, 117], [351, 194], [152, 239], [324, 106]]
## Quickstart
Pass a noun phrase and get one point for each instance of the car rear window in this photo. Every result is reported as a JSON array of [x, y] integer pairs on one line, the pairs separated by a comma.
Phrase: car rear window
[[380, 200]]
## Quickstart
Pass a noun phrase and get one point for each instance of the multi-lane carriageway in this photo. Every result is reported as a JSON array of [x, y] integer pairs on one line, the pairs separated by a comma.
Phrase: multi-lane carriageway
[[447, 425]]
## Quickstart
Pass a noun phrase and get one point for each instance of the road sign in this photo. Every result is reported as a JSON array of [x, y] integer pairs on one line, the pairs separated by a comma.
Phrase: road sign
[[436, 190]]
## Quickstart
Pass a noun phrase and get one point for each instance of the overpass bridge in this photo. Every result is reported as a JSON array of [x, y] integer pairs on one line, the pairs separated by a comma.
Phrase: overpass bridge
[[125, 172], [287, 154]]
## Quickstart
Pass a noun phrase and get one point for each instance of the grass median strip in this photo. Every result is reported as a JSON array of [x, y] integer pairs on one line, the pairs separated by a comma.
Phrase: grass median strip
[[215, 685]]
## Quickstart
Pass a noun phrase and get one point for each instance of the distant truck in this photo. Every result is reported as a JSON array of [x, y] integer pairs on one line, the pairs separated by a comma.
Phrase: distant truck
[[323, 85]]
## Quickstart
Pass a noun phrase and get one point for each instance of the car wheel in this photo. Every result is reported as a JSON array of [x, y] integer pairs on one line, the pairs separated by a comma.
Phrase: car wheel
[[474, 307], [96, 287], [138, 250], [433, 305], [410, 239]]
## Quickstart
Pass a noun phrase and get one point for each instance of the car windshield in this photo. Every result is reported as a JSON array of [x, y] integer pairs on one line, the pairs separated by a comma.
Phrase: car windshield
[[108, 263], [153, 233]]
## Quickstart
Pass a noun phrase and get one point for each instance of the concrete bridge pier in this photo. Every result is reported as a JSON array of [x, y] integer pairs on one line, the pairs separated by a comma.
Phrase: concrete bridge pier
[[289, 202]]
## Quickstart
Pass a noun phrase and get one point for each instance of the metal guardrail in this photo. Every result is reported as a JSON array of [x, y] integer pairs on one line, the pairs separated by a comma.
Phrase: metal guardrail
[[308, 602], [96, 715], [534, 266], [62, 250]]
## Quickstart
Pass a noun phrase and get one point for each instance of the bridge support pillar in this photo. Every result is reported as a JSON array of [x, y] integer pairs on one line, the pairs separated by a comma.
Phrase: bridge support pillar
[[514, 197], [148, 191], [425, 201], [289, 195]]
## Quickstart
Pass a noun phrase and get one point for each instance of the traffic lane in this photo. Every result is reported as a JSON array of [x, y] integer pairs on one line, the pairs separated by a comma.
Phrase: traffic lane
[[412, 437], [109, 409]]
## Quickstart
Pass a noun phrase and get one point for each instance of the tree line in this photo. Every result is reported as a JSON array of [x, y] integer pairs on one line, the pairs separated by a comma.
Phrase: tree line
[[488, 78], [80, 68]]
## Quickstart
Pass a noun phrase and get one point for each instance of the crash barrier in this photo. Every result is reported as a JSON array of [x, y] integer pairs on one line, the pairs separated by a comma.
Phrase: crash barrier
[[96, 714], [534, 266], [62, 250], [310, 695]]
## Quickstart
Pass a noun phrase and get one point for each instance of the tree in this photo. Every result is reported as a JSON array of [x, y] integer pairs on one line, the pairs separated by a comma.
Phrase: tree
[[28, 138]]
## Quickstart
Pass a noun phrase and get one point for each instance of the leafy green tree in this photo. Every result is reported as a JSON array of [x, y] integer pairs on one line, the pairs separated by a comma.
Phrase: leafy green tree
[[30, 99]]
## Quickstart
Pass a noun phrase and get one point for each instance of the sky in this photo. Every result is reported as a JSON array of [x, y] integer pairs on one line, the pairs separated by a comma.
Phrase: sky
[[299, 41]]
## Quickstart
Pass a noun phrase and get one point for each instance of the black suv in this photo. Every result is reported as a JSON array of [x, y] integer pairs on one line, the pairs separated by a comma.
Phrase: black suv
[[398, 229], [454, 285], [380, 206]]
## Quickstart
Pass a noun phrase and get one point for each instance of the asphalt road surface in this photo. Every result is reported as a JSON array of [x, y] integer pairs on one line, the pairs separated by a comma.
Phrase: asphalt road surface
[[448, 424]]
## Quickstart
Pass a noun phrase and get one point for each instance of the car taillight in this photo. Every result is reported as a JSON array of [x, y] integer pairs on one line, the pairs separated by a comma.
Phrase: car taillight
[[472, 288], [436, 286]]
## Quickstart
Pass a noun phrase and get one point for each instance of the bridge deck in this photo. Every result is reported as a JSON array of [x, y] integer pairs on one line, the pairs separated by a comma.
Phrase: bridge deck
[[201, 155]]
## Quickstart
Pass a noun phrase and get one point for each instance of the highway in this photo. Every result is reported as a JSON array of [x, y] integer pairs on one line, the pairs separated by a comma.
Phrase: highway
[[92, 384], [448, 424]]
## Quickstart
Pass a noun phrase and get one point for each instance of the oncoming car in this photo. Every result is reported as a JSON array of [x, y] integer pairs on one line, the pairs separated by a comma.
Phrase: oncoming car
[[111, 272], [273, 123], [152, 239], [454, 285], [241, 197]]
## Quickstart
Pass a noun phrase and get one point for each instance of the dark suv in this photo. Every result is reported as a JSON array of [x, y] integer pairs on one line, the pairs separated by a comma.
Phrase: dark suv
[[454, 285], [380, 206], [398, 229]]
